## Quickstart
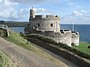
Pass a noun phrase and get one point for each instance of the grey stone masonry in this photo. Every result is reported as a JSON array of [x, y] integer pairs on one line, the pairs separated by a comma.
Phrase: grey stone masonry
[[49, 25]]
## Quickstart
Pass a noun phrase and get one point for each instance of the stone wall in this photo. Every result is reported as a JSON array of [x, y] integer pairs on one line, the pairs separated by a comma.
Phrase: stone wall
[[65, 37], [75, 38], [47, 23]]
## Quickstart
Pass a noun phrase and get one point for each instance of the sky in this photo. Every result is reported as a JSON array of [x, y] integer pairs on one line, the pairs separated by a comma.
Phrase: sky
[[70, 11]]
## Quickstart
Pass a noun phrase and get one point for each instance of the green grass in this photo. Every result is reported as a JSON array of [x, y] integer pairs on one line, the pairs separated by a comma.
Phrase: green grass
[[5, 61], [20, 41], [83, 47]]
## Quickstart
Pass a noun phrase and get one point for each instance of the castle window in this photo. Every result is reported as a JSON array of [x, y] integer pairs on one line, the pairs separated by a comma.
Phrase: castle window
[[51, 25], [38, 25]]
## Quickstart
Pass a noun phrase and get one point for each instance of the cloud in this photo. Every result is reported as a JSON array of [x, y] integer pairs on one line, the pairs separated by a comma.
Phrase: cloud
[[68, 19], [70, 3], [78, 16], [79, 13], [27, 1], [7, 13], [0, 0], [23, 13], [7, 3], [37, 1], [84, 11], [42, 11], [39, 10], [7, 9]]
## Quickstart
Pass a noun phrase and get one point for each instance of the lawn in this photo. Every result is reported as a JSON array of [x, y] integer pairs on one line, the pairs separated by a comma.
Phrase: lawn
[[83, 47]]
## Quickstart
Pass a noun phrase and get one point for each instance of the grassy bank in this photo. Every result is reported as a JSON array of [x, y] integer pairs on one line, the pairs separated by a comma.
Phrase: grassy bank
[[5, 61], [83, 47], [83, 52], [20, 41]]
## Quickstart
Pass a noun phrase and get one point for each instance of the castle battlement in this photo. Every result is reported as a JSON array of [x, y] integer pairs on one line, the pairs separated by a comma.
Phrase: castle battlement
[[47, 17]]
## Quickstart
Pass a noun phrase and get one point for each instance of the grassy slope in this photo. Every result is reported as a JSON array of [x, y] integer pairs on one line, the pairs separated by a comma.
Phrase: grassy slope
[[78, 50], [20, 41], [83, 47], [5, 61]]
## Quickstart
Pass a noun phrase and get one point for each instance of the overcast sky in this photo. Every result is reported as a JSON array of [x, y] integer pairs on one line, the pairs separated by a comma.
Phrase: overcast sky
[[77, 11]]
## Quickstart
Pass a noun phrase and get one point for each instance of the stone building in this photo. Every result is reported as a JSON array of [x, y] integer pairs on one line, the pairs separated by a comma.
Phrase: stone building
[[49, 25]]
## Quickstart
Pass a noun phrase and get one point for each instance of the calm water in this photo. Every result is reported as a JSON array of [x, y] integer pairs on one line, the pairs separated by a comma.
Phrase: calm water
[[84, 30], [17, 29]]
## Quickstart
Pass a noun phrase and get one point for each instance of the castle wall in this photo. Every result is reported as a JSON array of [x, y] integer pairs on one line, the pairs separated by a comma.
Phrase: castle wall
[[46, 24], [75, 38], [64, 38]]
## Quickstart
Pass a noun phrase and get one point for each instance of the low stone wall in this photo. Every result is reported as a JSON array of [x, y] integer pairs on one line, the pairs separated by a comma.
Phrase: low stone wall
[[64, 36], [58, 37]]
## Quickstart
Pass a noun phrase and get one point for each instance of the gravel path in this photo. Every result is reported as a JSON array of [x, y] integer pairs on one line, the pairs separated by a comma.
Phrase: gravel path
[[25, 58]]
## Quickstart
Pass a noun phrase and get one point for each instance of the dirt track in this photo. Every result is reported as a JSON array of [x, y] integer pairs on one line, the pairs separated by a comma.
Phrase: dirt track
[[25, 58]]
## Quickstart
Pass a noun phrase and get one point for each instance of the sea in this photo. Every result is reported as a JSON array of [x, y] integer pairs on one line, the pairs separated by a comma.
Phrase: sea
[[83, 29]]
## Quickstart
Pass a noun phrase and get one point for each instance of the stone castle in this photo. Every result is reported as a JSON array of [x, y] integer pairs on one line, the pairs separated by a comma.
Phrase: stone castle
[[49, 25]]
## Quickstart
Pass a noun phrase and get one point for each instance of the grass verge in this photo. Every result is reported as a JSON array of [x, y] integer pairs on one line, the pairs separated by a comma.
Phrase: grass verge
[[83, 47]]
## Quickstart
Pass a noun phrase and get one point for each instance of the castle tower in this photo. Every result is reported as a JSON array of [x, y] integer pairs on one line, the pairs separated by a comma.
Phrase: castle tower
[[32, 14]]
